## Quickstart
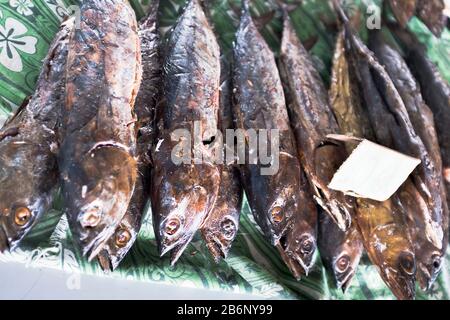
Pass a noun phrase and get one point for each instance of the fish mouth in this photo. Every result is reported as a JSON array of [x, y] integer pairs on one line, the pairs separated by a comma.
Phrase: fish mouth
[[425, 278], [305, 263], [294, 266], [403, 288], [344, 280], [4, 243], [178, 250], [176, 247], [93, 248], [217, 248]]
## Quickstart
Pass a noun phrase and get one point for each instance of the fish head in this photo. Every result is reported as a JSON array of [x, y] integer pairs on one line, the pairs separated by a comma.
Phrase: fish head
[[346, 262], [300, 245], [399, 273], [183, 200], [282, 203], [117, 247], [344, 268], [219, 237], [26, 190], [97, 194], [429, 265]]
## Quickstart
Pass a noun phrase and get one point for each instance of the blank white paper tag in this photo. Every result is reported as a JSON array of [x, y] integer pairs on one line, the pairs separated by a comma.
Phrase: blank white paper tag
[[373, 171]]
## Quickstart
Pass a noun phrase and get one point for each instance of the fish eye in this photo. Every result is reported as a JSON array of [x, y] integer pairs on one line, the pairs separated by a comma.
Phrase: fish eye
[[91, 218], [436, 263], [276, 214], [22, 216], [407, 263], [123, 236], [307, 246], [342, 263], [229, 228], [172, 226]]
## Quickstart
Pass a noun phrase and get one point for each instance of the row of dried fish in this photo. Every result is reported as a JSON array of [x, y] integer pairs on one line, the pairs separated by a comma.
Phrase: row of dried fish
[[79, 130], [109, 137], [373, 96]]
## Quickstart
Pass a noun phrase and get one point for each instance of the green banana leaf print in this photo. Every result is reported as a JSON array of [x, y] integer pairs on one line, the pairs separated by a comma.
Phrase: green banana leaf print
[[253, 266]]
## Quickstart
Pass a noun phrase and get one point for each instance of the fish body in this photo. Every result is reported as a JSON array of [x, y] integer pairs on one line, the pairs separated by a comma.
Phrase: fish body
[[397, 265], [381, 224], [28, 147], [184, 194], [97, 158], [299, 245], [115, 250], [221, 226], [312, 120], [259, 103], [436, 93], [430, 225]]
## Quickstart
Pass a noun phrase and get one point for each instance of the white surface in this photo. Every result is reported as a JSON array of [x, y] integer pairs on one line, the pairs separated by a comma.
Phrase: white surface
[[19, 282]]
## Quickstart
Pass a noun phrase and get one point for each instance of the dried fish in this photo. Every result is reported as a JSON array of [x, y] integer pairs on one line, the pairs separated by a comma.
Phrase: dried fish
[[430, 227], [298, 246], [97, 159], [259, 103], [183, 195], [221, 226], [312, 120], [28, 147], [126, 233], [436, 93], [381, 224]]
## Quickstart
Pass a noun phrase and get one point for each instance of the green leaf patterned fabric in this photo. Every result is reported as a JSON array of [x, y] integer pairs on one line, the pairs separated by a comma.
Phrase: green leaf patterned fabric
[[253, 266]]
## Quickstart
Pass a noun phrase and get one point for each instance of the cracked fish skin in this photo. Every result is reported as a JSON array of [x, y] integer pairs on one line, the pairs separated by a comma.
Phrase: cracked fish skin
[[430, 229], [312, 120], [28, 148], [126, 233], [222, 224], [381, 224], [183, 195], [340, 250], [259, 103], [431, 12], [97, 159]]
